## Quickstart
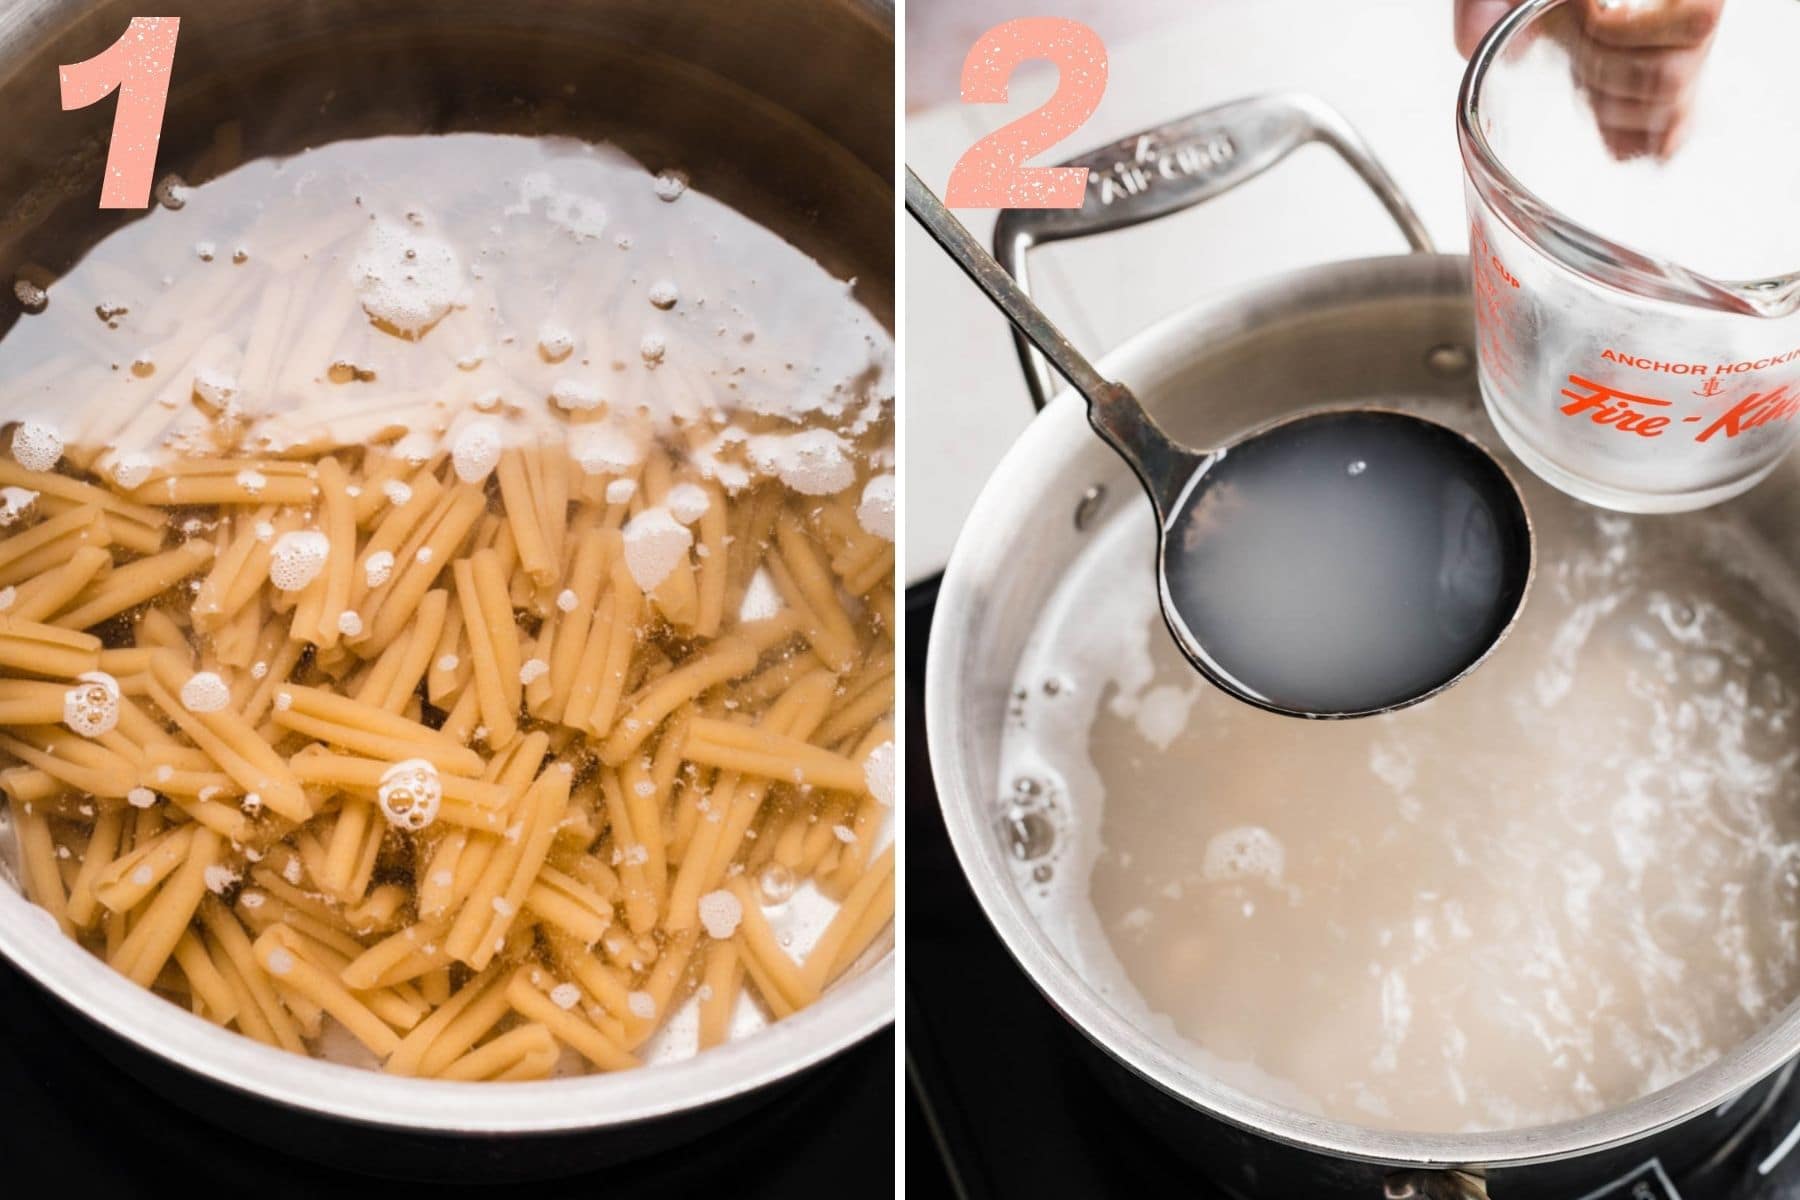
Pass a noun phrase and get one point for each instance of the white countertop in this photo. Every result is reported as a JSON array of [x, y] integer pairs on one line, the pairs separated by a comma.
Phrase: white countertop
[[1387, 65]]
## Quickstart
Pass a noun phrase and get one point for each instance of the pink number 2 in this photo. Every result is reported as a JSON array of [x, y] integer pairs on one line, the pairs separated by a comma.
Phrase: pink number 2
[[992, 173], [138, 65]]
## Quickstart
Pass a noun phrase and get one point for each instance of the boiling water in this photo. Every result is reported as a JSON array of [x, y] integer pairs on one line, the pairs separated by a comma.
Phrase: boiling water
[[380, 286], [1347, 562], [1565, 883]]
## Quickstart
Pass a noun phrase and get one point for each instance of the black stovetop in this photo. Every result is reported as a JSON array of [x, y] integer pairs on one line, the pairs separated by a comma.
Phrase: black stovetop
[[1008, 1102], [71, 1121]]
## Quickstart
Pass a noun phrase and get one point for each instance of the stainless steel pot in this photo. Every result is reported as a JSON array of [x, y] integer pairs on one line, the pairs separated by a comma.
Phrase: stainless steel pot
[[783, 108], [1380, 330]]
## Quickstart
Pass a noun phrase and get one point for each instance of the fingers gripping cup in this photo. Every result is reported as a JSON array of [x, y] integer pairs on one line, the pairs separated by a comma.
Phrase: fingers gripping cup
[[1635, 254]]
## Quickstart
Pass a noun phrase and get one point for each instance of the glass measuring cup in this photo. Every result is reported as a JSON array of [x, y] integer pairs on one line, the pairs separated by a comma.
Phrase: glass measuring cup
[[1633, 348]]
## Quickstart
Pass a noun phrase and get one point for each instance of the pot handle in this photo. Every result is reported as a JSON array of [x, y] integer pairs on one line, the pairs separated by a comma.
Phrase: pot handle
[[1183, 163], [1434, 1185]]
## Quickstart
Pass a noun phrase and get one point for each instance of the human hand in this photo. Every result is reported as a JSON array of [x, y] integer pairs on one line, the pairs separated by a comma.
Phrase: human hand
[[1637, 60]]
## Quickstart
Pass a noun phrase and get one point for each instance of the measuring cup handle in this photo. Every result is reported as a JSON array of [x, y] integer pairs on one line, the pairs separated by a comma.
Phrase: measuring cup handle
[[1178, 165]]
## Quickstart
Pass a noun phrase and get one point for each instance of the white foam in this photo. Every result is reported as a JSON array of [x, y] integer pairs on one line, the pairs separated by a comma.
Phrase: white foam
[[878, 773], [16, 503], [720, 913], [350, 623], [378, 567], [214, 387], [620, 491], [140, 797], [555, 343], [410, 794], [687, 502], [655, 544], [606, 448], [813, 462], [1244, 852], [297, 558], [565, 995], [664, 294], [574, 393], [477, 450], [36, 446], [91, 708], [407, 280], [205, 692], [131, 470], [642, 1005], [532, 670], [1162, 713], [876, 512], [566, 600]]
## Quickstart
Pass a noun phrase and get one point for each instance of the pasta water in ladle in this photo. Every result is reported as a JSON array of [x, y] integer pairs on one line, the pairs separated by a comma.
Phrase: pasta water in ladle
[[1331, 565]]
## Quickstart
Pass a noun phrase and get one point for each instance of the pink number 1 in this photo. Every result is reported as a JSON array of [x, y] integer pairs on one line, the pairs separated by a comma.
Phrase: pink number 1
[[138, 65]]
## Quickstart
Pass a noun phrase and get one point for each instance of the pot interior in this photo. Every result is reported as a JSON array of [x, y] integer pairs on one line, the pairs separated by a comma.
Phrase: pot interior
[[717, 92], [683, 83], [1392, 332]]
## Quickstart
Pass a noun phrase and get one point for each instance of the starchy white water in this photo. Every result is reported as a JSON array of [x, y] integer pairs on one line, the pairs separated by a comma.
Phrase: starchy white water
[[1567, 882]]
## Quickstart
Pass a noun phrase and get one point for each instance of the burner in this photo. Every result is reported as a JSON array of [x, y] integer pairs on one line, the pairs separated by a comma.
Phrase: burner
[[998, 1082], [73, 1117]]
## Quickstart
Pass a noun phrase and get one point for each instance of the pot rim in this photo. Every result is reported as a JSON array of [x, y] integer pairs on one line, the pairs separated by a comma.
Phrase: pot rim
[[1015, 487], [848, 1013]]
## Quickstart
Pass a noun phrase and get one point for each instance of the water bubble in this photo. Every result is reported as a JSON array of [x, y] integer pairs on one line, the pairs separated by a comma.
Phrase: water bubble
[[298, 557], [1025, 785], [240, 256], [205, 692], [344, 371], [1052, 686], [670, 184], [555, 343], [1029, 835], [92, 707], [171, 192], [477, 450], [110, 311], [776, 883], [143, 367], [411, 794], [1042, 872], [1357, 467], [653, 348], [663, 294], [31, 297], [36, 446]]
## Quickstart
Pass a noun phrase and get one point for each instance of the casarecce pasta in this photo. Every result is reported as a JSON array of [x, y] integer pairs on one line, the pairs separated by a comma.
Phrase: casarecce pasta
[[467, 763]]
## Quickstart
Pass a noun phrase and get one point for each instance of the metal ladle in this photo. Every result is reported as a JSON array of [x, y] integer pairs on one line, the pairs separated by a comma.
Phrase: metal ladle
[[1339, 563]]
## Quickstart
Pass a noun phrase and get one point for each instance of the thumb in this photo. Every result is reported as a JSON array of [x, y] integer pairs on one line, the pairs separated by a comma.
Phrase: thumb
[[1474, 18]]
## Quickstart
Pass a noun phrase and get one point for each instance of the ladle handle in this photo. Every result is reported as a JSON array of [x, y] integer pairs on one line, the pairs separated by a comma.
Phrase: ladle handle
[[1183, 163], [1162, 465]]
